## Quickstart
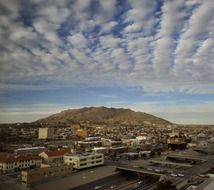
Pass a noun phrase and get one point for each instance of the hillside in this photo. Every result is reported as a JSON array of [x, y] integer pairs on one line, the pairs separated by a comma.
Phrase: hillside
[[103, 115]]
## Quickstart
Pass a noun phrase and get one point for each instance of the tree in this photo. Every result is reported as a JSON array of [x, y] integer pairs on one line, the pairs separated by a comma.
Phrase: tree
[[165, 185]]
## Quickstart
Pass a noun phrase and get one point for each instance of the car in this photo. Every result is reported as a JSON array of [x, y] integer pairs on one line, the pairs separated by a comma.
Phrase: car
[[98, 187], [135, 186], [180, 175], [157, 170], [140, 182], [174, 175], [113, 186], [149, 169]]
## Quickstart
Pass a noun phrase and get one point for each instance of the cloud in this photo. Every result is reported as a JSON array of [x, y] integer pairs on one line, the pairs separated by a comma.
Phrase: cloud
[[195, 31], [132, 28], [171, 21], [160, 47], [24, 113]]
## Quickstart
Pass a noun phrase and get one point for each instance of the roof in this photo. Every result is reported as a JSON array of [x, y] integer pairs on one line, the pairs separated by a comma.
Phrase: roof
[[31, 148], [14, 158], [54, 153], [101, 148], [85, 155]]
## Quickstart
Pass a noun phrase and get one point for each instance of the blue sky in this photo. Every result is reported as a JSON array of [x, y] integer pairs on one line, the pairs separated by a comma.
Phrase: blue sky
[[154, 56]]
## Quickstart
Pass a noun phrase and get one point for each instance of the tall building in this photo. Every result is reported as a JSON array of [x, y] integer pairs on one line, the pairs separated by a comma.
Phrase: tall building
[[46, 133]]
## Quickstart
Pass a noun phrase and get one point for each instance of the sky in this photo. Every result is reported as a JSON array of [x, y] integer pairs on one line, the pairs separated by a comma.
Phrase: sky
[[155, 56]]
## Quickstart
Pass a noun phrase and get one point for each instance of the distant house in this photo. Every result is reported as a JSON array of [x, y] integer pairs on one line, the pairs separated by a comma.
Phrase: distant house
[[11, 162], [53, 156]]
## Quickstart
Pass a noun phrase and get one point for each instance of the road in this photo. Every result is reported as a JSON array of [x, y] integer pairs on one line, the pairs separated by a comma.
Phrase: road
[[9, 183]]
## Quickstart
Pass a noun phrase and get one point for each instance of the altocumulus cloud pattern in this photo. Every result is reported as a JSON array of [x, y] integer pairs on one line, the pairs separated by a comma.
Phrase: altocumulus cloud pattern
[[159, 45]]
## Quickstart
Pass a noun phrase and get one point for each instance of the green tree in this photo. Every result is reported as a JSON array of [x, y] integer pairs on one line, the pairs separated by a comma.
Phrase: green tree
[[165, 185]]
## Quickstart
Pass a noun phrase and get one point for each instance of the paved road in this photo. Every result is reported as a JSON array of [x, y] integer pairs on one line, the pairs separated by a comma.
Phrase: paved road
[[9, 183]]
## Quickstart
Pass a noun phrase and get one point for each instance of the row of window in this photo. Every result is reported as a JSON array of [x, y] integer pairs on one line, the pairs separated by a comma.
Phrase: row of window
[[92, 158], [84, 164]]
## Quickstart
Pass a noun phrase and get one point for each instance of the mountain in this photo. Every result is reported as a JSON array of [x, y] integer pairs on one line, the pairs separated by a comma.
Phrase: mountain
[[103, 115]]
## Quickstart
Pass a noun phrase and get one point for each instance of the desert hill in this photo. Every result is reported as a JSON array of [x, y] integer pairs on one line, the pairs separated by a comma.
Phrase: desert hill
[[103, 115]]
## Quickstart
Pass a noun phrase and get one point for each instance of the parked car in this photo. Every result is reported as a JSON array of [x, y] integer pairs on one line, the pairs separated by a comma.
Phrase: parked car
[[98, 187], [174, 175], [180, 175]]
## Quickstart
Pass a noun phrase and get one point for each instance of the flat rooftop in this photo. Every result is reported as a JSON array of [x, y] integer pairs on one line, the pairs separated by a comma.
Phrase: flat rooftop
[[78, 179]]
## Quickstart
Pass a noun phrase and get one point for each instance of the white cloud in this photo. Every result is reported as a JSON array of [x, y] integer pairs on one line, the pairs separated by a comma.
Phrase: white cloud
[[164, 45], [108, 26], [170, 49], [54, 14], [77, 40], [25, 113], [196, 28], [141, 15], [133, 28]]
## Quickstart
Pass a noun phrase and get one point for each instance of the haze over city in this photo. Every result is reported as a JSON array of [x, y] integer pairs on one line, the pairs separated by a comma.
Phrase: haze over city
[[155, 56]]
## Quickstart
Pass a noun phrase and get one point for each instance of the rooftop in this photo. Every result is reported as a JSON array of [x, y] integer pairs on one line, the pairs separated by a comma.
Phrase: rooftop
[[13, 158], [54, 153]]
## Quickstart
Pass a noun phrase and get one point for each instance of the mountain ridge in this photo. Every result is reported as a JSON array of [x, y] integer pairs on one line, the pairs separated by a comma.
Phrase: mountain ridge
[[103, 115]]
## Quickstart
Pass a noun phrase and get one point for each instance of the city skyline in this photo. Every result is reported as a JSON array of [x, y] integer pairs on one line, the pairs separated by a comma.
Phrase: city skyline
[[153, 56]]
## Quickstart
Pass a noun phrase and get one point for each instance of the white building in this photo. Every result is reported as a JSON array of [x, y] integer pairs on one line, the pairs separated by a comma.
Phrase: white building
[[84, 160], [10, 163], [46, 133]]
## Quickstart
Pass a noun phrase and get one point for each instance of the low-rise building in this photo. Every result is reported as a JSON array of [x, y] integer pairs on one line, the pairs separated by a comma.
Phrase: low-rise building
[[30, 150], [54, 156], [11, 163], [102, 150], [36, 176], [111, 143], [81, 161]]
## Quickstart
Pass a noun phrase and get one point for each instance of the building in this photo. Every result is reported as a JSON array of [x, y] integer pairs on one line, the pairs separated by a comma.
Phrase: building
[[81, 161], [118, 150], [111, 143], [36, 176], [46, 133], [11, 163], [81, 133], [103, 150], [176, 141], [54, 156], [130, 155], [29, 151]]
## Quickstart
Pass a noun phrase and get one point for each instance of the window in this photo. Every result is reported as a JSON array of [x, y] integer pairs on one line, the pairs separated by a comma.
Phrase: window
[[83, 164], [83, 159]]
